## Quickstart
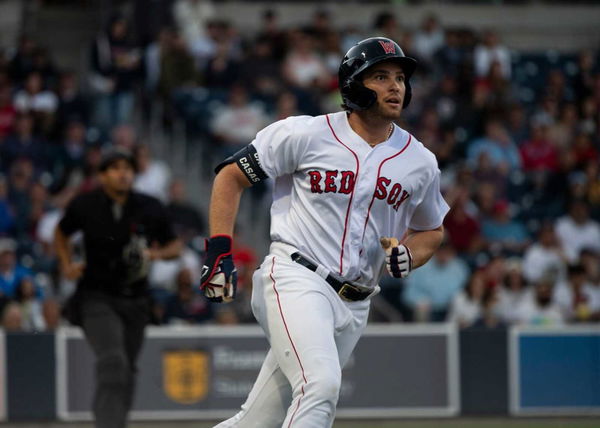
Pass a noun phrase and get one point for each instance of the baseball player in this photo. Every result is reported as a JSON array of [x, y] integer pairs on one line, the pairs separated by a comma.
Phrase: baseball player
[[353, 194]]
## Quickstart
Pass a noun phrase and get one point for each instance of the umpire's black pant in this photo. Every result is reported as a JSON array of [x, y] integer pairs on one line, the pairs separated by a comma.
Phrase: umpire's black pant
[[114, 327]]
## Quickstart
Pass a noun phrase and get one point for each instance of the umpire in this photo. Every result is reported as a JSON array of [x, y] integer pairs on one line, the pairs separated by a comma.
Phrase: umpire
[[123, 231]]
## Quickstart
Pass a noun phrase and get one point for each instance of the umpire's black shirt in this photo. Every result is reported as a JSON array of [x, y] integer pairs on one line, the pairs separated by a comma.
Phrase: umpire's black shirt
[[114, 239]]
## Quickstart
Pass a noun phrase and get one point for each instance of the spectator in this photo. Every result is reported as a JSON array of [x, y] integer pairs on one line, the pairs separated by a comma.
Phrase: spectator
[[191, 18], [489, 51], [51, 313], [20, 180], [37, 101], [6, 214], [8, 113], [93, 157], [518, 123], [538, 153], [583, 81], [72, 104], [163, 276], [576, 297], [466, 306], [12, 318], [583, 151], [24, 144], [188, 221], [261, 73], [273, 35], [30, 305], [561, 132], [462, 226], [539, 308], [177, 69], [287, 105], [489, 314], [497, 144], [248, 118], [303, 68], [70, 155], [320, 26], [577, 231], [513, 293], [428, 39], [387, 25], [116, 66], [11, 273], [592, 188], [544, 257], [223, 68], [187, 306], [424, 294], [590, 261], [504, 232], [21, 63], [42, 64], [153, 176], [125, 137]]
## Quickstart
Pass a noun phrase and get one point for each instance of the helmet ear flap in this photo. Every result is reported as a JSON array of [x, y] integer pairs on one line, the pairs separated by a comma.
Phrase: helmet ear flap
[[360, 97]]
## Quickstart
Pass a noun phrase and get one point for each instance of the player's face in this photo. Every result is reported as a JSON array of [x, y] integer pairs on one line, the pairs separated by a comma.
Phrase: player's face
[[118, 177], [387, 80]]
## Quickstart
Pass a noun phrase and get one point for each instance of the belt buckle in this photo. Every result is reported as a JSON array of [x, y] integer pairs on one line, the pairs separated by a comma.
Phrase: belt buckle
[[345, 287]]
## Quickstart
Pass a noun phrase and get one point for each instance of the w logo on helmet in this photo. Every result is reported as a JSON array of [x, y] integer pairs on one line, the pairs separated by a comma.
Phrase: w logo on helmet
[[388, 47]]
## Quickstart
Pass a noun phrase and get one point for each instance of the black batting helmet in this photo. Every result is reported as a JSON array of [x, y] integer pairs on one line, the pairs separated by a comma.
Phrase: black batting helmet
[[362, 56]]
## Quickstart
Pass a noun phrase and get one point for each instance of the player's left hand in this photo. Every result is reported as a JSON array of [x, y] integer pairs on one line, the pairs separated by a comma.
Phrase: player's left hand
[[398, 259], [219, 275]]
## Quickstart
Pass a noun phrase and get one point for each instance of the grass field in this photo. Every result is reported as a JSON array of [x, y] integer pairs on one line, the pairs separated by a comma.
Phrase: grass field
[[441, 423]]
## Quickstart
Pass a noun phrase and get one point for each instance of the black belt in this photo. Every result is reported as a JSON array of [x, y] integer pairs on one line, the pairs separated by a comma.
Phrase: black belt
[[345, 289]]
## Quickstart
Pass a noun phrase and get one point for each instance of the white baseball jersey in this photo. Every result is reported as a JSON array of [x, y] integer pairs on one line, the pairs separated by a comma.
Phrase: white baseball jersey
[[334, 196]]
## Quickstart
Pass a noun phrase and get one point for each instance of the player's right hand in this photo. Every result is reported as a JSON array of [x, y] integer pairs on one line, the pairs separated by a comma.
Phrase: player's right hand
[[398, 259], [219, 276], [73, 271]]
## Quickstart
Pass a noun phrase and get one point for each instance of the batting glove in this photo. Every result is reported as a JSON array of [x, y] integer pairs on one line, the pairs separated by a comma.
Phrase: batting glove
[[398, 259], [219, 275]]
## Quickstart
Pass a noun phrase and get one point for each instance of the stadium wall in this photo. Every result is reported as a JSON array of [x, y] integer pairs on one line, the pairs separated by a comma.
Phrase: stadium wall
[[206, 372]]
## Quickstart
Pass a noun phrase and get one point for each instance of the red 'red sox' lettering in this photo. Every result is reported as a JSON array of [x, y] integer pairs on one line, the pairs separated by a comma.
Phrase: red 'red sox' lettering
[[395, 195], [329, 184], [315, 181]]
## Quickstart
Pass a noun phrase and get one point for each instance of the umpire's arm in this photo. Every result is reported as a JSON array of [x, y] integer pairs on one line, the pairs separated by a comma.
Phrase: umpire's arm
[[62, 244], [170, 250]]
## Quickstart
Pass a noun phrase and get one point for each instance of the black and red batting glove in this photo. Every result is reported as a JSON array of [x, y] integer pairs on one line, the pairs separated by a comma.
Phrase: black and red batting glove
[[219, 275], [398, 259]]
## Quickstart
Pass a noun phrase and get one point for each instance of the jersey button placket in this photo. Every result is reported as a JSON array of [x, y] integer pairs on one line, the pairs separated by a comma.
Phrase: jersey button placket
[[358, 214]]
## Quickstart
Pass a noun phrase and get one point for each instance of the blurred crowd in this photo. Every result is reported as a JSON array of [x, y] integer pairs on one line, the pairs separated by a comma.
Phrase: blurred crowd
[[516, 135]]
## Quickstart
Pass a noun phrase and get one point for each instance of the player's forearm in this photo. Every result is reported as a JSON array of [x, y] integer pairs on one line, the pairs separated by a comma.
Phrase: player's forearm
[[225, 200], [423, 244]]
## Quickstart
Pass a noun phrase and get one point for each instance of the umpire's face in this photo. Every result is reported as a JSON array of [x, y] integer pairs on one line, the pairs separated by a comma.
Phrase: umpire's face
[[118, 177]]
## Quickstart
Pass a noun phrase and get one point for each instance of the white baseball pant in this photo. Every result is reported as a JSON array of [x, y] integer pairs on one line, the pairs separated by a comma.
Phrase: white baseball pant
[[312, 333]]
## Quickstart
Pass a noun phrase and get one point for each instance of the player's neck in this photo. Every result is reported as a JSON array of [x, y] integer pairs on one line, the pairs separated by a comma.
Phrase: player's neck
[[373, 130]]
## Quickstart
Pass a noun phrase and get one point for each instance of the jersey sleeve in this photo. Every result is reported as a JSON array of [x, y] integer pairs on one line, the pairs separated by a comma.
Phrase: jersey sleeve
[[74, 216], [430, 213], [279, 147]]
